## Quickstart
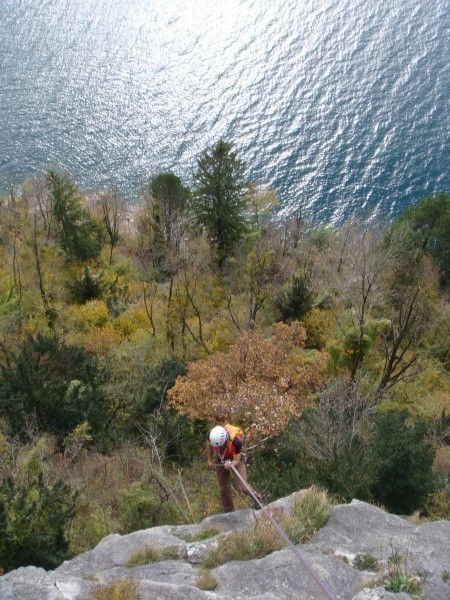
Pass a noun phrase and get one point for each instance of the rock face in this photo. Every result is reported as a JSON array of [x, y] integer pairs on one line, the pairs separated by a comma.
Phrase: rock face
[[357, 534]]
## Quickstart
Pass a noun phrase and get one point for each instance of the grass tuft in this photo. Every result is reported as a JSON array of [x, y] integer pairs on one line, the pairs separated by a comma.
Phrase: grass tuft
[[148, 554], [309, 513], [204, 534], [366, 562], [206, 581], [122, 589]]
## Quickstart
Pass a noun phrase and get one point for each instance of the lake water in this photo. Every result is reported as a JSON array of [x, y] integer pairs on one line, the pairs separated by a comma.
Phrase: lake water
[[341, 106]]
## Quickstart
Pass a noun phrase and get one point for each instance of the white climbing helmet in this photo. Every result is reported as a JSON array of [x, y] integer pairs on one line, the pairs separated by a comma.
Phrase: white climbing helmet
[[218, 436]]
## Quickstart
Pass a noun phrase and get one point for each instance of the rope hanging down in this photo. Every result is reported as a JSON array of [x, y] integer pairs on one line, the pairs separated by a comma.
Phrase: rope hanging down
[[325, 589]]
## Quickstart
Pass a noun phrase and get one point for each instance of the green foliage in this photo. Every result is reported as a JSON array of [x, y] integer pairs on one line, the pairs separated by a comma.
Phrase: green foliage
[[179, 438], [317, 322], [430, 221], [366, 562], [404, 462], [77, 233], [437, 505], [91, 523], [54, 383], [293, 303], [320, 238], [87, 287], [348, 474], [169, 204], [401, 583], [143, 328], [400, 578], [219, 201], [141, 507], [283, 458], [34, 523], [328, 445]]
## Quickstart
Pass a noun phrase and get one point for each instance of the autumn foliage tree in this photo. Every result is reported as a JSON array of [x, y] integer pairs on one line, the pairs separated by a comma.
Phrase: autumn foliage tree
[[258, 382]]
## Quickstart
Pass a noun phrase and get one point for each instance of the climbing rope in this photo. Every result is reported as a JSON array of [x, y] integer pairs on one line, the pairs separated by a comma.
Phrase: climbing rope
[[322, 585]]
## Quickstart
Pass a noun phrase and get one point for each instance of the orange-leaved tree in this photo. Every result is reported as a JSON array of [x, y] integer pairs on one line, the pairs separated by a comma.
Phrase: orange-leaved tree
[[258, 383]]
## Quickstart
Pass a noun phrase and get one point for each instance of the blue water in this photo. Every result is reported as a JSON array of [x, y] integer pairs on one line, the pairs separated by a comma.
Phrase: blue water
[[341, 106]]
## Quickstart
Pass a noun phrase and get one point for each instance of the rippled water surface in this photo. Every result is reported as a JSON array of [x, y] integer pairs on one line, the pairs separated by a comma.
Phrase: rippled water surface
[[341, 105]]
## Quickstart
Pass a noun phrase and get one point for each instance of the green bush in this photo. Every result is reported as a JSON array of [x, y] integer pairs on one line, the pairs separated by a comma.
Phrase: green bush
[[55, 383], [89, 286], [293, 303], [140, 507], [34, 523], [404, 460]]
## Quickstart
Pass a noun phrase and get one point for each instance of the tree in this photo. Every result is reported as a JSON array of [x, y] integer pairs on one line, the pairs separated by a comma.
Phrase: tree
[[257, 382], [410, 292], [219, 201], [169, 204], [34, 523], [404, 460], [430, 220], [76, 231], [362, 266], [333, 437], [113, 211], [54, 383], [295, 301]]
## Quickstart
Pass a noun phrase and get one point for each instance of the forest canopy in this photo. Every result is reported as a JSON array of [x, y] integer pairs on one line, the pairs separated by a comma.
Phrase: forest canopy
[[127, 331]]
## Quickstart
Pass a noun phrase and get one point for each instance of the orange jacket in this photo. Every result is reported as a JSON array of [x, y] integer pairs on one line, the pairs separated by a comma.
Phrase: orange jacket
[[234, 444]]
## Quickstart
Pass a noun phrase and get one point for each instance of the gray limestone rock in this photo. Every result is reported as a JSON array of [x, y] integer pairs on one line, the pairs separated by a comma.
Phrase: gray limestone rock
[[328, 561]]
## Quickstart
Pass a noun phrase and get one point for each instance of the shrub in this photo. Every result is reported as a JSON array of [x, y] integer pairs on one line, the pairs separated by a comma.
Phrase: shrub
[[89, 286], [34, 523], [296, 301], [404, 462], [142, 508], [93, 313], [56, 383], [316, 322]]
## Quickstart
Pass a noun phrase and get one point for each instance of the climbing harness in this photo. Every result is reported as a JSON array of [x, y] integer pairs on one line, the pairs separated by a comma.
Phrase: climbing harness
[[322, 585]]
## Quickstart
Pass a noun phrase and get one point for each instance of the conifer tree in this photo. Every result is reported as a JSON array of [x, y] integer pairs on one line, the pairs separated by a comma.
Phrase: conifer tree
[[77, 233], [219, 202], [169, 201]]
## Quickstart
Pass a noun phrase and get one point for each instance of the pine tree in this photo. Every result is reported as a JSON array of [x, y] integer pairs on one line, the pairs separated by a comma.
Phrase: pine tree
[[77, 233], [219, 202], [169, 202], [34, 523]]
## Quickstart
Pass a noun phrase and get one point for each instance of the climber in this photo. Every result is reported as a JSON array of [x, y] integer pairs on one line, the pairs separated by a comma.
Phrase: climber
[[224, 451]]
